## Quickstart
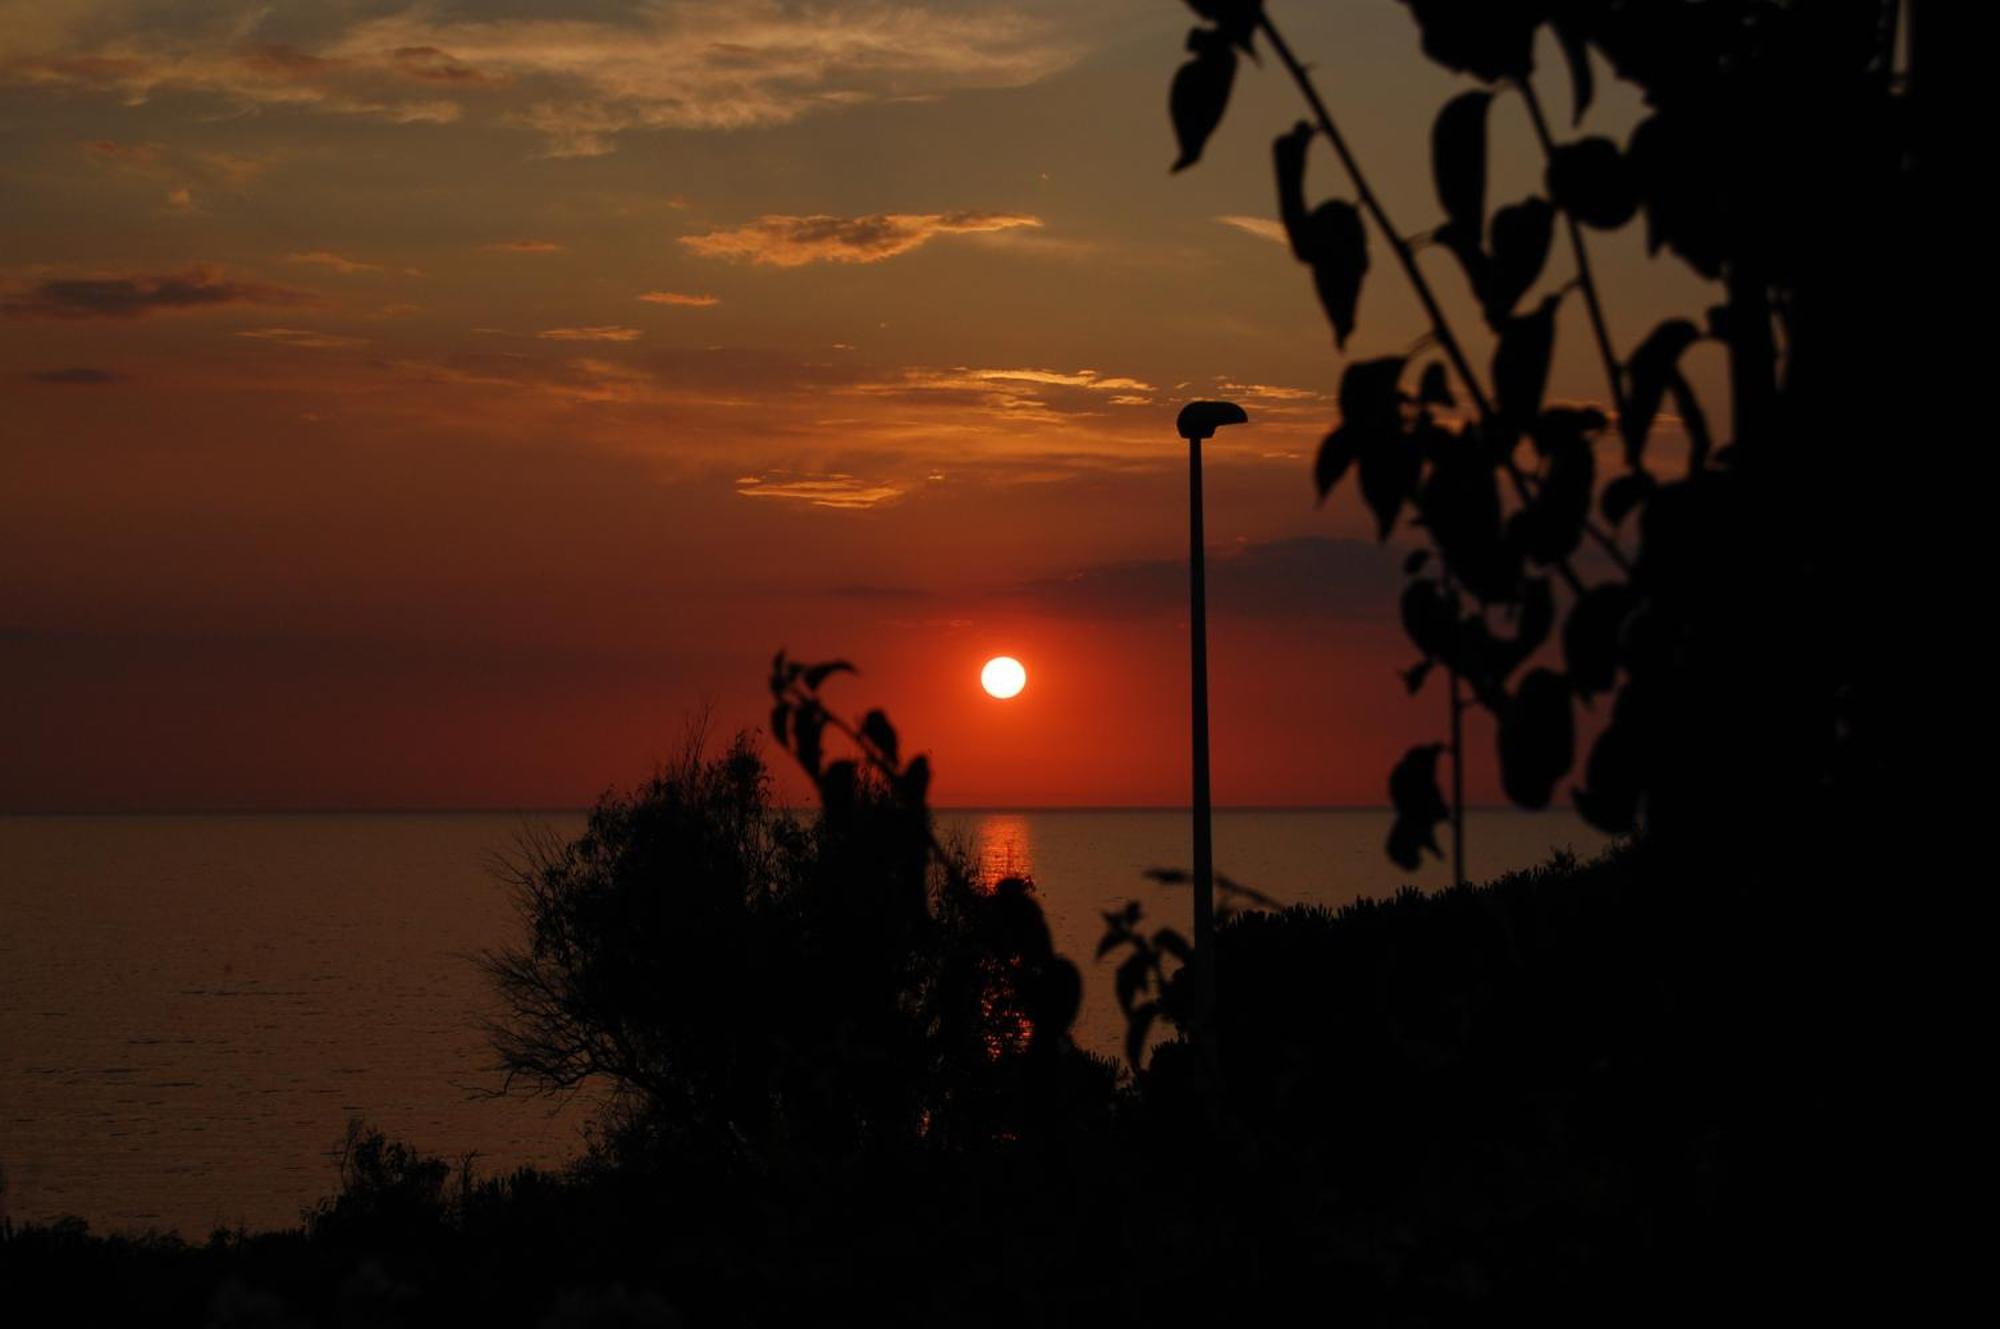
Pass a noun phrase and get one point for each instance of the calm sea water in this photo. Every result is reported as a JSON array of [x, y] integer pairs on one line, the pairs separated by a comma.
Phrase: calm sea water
[[192, 1007]]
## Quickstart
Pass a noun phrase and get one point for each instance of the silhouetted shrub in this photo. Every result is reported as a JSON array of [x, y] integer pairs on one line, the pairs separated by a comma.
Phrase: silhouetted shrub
[[746, 983]]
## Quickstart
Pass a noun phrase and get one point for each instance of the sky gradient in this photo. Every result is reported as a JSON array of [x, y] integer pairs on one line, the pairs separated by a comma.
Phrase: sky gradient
[[438, 405]]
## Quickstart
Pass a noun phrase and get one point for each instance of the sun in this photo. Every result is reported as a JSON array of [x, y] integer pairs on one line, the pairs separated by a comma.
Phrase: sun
[[1003, 677]]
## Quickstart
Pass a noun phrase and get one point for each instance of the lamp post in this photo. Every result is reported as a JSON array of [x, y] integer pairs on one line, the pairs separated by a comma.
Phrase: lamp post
[[1199, 420]]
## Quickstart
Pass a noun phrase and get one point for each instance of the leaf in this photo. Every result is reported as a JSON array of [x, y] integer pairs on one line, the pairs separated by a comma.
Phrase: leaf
[[1656, 359], [1288, 164], [1521, 363], [1625, 493], [1460, 504], [1593, 182], [1336, 454], [1371, 406], [914, 783], [1369, 390], [1434, 388], [1413, 677], [1390, 467], [820, 673], [1339, 245], [1590, 637], [806, 730], [779, 715], [1200, 92], [1537, 738], [1430, 617], [1609, 799], [1414, 561], [1419, 804], [1458, 159], [1520, 237], [1576, 54], [1492, 39], [875, 727], [1550, 528]]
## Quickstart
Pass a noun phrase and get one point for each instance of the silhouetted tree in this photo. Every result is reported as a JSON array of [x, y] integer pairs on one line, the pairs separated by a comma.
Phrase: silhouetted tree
[[743, 981]]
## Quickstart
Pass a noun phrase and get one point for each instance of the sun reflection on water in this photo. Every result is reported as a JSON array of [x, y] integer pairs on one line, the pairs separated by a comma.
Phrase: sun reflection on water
[[1001, 848]]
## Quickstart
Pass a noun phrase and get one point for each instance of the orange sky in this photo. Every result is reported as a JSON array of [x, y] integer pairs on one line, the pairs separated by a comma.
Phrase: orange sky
[[436, 405]]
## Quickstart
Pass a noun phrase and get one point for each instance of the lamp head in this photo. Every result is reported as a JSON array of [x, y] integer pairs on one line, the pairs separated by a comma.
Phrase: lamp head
[[1200, 419]]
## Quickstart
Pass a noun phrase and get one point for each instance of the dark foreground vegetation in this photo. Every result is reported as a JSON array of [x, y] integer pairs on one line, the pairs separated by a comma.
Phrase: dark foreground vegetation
[[1588, 1092]]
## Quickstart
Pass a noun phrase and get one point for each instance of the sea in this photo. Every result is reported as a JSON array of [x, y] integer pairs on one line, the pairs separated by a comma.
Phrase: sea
[[194, 1007]]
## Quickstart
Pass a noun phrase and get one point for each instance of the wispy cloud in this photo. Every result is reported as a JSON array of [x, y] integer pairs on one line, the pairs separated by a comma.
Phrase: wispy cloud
[[790, 242], [601, 333], [676, 298], [577, 82], [304, 338], [524, 247], [327, 258], [78, 376], [131, 295], [821, 491], [1261, 227]]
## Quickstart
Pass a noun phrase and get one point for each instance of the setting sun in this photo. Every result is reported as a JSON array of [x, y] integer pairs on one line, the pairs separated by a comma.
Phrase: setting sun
[[1003, 677]]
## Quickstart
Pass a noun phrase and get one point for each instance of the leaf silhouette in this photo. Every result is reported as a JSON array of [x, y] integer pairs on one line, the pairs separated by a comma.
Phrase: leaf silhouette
[[1521, 362], [1520, 247], [1336, 454], [1340, 260], [1593, 182], [1625, 493], [1537, 738], [1331, 238], [1200, 92], [1288, 164], [1458, 159], [1420, 806], [1653, 363], [1493, 39], [875, 727], [820, 673], [1591, 635], [1434, 388]]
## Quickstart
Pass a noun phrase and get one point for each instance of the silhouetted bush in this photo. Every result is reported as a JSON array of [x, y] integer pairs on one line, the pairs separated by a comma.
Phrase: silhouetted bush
[[745, 983]]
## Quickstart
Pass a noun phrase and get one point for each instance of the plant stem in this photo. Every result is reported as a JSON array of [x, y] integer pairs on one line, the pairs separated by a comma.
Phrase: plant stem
[[1440, 328], [1446, 340], [1614, 379]]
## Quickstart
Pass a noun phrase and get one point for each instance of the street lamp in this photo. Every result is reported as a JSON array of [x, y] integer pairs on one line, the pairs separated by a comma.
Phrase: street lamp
[[1199, 420]]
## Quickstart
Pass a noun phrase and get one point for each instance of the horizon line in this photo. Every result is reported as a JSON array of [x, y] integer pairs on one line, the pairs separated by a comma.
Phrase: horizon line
[[582, 809]]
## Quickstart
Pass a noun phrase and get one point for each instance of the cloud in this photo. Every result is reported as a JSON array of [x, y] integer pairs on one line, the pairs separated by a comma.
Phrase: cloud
[[326, 258], [304, 338], [789, 242], [578, 81], [1261, 227], [1284, 578], [820, 491], [202, 286], [79, 375], [604, 333], [676, 298], [524, 247]]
